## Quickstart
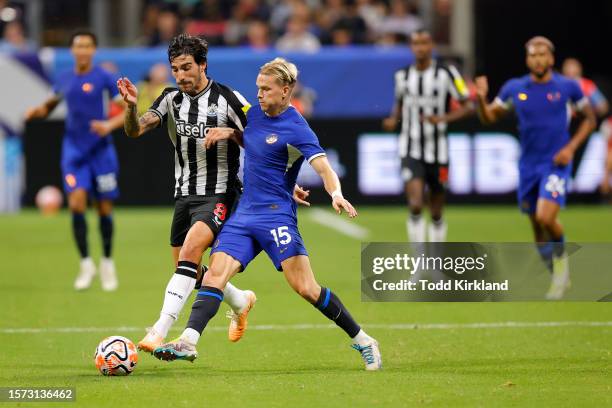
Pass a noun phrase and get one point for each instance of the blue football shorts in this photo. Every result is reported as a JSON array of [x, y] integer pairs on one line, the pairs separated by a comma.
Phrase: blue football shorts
[[549, 182], [97, 173], [244, 236]]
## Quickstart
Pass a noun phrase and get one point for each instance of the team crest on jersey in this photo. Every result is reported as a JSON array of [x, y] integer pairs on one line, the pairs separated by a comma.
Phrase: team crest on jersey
[[271, 139], [87, 87], [553, 96], [212, 110]]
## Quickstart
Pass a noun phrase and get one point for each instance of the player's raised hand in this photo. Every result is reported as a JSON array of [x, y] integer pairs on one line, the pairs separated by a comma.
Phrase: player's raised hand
[[564, 156], [127, 90], [215, 134], [39, 112], [340, 203], [482, 86], [300, 195], [433, 119], [100, 127], [389, 123]]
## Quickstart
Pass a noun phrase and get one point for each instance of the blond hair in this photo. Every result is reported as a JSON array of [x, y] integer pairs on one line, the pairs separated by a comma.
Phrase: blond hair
[[282, 70]]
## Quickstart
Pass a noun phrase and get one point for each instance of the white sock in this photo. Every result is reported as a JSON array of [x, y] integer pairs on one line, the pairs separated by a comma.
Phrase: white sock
[[361, 338], [437, 231], [192, 336], [178, 290], [416, 228], [88, 261], [235, 298]]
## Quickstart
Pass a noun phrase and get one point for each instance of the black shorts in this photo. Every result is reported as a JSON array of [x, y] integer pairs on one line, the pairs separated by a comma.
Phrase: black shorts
[[434, 175], [212, 210]]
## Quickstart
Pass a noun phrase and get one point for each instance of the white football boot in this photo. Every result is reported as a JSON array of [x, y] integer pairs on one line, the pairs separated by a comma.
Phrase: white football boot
[[560, 278], [370, 353], [86, 274], [108, 275]]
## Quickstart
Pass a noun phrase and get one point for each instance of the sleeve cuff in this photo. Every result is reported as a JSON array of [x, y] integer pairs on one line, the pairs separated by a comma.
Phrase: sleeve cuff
[[314, 156], [501, 103], [582, 103]]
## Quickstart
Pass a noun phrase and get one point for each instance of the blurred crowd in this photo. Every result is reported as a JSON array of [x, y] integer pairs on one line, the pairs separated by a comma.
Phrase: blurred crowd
[[297, 25]]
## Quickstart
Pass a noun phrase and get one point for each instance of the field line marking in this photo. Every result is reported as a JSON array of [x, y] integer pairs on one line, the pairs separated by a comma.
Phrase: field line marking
[[278, 327], [335, 222]]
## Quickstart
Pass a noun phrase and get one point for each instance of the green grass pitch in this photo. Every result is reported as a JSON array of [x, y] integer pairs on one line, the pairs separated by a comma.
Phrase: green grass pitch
[[278, 363]]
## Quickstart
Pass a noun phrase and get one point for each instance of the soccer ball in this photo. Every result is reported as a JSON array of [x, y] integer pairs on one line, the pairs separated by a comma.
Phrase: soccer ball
[[116, 355], [49, 200]]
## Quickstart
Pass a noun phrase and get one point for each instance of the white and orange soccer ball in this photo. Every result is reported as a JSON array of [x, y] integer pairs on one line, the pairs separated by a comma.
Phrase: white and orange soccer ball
[[116, 355], [49, 200]]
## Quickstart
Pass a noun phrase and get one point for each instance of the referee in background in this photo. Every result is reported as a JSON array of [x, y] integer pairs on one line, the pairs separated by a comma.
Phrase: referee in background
[[423, 92]]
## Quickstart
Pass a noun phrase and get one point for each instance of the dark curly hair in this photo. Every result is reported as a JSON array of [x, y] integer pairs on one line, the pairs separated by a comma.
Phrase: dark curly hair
[[185, 44]]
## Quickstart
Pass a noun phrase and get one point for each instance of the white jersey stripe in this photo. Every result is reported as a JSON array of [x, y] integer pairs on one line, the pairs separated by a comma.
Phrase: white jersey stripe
[[424, 93], [208, 171]]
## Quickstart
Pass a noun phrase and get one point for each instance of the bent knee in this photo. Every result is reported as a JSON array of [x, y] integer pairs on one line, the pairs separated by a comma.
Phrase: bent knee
[[544, 219], [190, 252], [308, 292]]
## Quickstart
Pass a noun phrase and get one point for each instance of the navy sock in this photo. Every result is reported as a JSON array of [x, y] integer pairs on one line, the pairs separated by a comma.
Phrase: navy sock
[[558, 245], [79, 230], [546, 251], [106, 231], [333, 309], [205, 306]]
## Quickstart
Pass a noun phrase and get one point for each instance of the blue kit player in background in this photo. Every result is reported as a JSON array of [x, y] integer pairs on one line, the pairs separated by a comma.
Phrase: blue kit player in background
[[89, 161], [277, 140], [542, 100]]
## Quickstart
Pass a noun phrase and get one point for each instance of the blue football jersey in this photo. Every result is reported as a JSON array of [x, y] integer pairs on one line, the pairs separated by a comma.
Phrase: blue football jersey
[[275, 148], [543, 111], [87, 97]]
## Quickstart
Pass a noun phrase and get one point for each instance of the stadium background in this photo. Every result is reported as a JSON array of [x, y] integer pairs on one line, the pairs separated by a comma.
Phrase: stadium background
[[443, 354], [349, 85]]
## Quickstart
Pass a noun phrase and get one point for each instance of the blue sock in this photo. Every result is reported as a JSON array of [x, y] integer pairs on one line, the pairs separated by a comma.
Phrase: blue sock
[[558, 245], [546, 251], [106, 231], [329, 304], [79, 230], [205, 307]]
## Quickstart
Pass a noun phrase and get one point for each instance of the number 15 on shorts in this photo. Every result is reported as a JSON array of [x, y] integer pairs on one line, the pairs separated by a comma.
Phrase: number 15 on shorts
[[281, 235]]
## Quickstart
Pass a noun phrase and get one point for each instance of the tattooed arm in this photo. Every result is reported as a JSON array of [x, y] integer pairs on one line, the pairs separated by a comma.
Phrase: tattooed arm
[[134, 126]]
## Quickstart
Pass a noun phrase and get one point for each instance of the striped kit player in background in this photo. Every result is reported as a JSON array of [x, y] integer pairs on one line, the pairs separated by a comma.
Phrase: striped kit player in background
[[423, 92]]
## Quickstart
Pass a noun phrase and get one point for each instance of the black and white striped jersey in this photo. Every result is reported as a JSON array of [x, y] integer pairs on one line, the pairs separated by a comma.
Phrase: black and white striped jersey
[[421, 94], [199, 171]]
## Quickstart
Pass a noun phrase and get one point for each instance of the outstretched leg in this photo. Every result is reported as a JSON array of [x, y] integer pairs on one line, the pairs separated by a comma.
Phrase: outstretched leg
[[300, 277]]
